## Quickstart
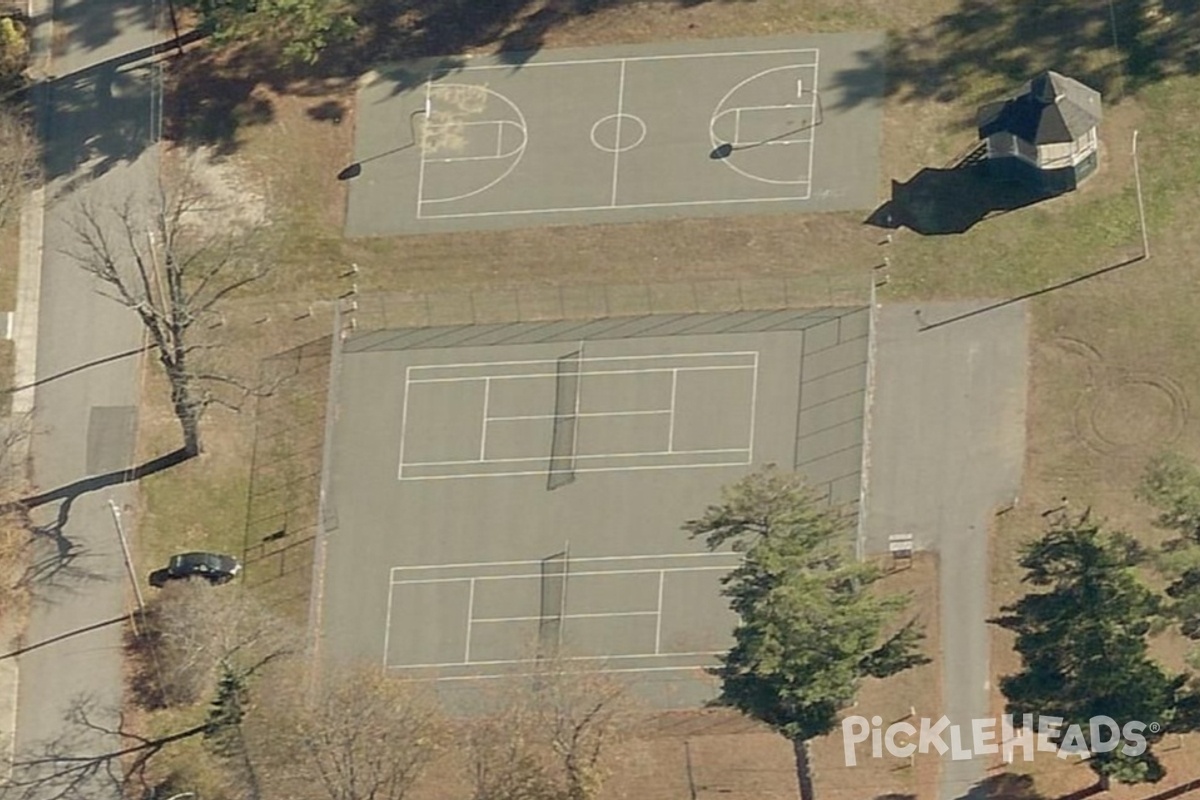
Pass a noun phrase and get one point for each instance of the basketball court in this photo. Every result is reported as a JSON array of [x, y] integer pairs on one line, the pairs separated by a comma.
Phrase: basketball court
[[503, 492], [618, 134]]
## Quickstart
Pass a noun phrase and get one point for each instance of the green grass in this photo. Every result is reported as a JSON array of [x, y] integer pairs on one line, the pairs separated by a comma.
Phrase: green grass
[[193, 507]]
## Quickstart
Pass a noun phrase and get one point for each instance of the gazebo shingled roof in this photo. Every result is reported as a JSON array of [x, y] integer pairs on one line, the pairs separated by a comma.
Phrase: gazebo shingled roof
[[1050, 109]]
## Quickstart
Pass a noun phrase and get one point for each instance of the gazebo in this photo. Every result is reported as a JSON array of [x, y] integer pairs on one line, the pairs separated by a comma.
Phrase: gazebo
[[1045, 135]]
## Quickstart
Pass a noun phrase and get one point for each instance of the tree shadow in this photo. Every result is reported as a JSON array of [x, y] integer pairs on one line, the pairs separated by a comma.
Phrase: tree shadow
[[1176, 791], [215, 94], [101, 116], [92, 24], [73, 490], [60, 561], [97, 754], [1004, 786], [940, 201], [982, 43]]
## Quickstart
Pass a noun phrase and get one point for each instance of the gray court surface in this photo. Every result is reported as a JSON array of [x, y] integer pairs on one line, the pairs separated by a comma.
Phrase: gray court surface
[[502, 491], [619, 134]]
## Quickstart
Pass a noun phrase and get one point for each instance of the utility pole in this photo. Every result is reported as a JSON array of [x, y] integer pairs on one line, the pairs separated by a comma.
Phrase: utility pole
[[137, 590], [1137, 179]]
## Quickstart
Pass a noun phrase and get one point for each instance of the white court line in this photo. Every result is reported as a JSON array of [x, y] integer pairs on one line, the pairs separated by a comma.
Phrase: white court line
[[680, 203], [527, 375], [590, 456], [626, 59], [753, 405], [658, 624], [542, 472], [613, 205], [617, 145], [578, 560], [520, 417], [597, 615], [487, 391], [470, 621], [404, 420], [528, 576], [671, 424], [779, 107], [737, 126], [499, 123], [812, 142], [510, 661], [685, 668], [387, 622], [590, 359], [421, 146]]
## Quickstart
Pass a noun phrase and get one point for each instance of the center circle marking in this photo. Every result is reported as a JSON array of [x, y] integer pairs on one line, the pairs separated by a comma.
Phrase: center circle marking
[[617, 133]]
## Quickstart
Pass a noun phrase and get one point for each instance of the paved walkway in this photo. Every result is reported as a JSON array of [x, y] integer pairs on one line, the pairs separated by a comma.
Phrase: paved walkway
[[947, 450]]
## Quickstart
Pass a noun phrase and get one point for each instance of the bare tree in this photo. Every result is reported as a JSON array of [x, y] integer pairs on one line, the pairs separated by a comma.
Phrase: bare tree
[[194, 633], [20, 161], [95, 756], [360, 734], [550, 736], [173, 262]]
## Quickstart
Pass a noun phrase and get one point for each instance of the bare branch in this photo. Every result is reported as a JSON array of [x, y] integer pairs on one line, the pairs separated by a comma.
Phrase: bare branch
[[20, 159], [162, 259], [55, 770], [361, 735]]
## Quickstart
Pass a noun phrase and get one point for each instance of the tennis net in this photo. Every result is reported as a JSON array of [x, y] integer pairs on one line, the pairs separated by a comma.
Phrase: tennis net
[[553, 603], [566, 419]]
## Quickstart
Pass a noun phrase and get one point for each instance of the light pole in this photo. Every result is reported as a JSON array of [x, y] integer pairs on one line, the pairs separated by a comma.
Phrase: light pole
[[137, 590], [1137, 179]]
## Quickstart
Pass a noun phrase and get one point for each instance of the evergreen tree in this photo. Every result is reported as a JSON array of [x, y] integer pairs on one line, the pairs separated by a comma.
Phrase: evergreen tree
[[810, 626], [1082, 637]]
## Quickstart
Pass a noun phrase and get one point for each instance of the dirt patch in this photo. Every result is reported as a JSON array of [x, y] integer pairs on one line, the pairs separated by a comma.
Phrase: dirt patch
[[231, 200], [913, 694]]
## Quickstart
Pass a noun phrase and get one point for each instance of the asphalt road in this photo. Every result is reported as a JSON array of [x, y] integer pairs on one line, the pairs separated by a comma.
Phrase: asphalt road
[[947, 449], [97, 128]]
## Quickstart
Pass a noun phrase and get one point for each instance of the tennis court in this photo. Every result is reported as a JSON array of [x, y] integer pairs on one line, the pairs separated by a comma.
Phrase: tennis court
[[617, 134], [601, 414], [503, 492]]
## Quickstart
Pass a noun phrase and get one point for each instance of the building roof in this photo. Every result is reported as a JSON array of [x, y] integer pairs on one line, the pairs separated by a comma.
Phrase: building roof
[[1050, 109]]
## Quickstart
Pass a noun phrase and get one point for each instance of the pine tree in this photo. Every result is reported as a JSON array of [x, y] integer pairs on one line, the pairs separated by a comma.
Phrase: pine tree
[[1082, 638], [810, 627]]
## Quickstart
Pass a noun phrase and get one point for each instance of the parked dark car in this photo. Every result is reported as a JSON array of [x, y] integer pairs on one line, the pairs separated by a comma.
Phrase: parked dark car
[[212, 567]]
